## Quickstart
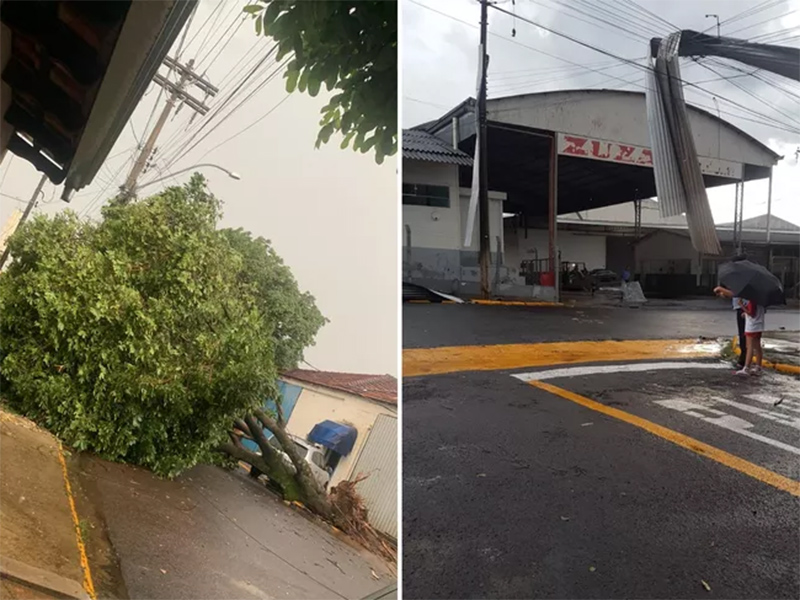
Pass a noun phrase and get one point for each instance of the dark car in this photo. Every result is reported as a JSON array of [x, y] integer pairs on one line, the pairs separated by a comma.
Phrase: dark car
[[604, 277]]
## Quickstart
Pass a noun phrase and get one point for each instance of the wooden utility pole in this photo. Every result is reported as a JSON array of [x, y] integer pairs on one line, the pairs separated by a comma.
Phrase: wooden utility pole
[[484, 254], [25, 215], [177, 92]]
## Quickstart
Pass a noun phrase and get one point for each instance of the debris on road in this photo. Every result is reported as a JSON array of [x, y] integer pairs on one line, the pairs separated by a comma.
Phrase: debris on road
[[565, 518], [706, 586], [592, 569]]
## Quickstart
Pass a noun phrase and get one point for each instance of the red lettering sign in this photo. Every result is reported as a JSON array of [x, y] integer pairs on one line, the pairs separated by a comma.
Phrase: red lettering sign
[[575, 145], [601, 149]]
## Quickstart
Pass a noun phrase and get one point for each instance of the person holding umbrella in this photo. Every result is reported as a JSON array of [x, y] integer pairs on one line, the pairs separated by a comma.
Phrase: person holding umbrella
[[756, 289], [753, 328]]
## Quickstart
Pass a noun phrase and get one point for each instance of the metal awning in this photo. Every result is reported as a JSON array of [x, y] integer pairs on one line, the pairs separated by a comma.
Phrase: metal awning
[[335, 436]]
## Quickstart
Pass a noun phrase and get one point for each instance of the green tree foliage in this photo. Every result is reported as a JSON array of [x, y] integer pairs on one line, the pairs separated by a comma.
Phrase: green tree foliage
[[351, 47], [144, 336], [294, 315]]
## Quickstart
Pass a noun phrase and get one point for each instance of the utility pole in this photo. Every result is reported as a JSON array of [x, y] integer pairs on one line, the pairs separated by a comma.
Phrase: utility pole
[[178, 92], [25, 215], [717, 18], [484, 255]]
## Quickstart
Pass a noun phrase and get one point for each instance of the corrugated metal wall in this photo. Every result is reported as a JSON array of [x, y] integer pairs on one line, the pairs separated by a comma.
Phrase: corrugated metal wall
[[379, 460]]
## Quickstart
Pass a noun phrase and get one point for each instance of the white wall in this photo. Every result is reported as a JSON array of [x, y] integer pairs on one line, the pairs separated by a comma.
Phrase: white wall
[[621, 117], [317, 404], [624, 214], [432, 227], [495, 221], [574, 247], [445, 228]]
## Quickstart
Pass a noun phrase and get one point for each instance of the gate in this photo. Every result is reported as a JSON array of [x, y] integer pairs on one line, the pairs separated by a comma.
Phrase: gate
[[378, 460]]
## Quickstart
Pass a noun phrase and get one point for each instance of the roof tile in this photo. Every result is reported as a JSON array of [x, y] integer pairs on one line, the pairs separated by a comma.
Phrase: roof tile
[[382, 388]]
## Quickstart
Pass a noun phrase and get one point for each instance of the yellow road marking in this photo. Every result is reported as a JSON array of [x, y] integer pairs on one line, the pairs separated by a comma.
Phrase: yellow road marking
[[87, 573], [452, 359], [729, 460], [781, 367]]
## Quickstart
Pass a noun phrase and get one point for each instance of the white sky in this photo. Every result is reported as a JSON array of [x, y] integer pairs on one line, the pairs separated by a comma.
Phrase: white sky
[[330, 213], [440, 65]]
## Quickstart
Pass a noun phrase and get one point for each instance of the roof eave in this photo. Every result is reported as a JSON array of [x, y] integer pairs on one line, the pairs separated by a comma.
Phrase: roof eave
[[131, 69]]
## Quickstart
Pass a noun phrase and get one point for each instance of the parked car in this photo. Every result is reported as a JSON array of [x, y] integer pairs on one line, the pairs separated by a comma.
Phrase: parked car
[[313, 454], [605, 277], [315, 457]]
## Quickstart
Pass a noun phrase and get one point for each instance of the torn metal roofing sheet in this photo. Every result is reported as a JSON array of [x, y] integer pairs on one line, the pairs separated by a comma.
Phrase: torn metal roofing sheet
[[679, 180], [420, 145]]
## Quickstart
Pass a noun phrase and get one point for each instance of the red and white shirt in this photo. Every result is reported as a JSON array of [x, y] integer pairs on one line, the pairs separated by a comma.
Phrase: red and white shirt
[[753, 316]]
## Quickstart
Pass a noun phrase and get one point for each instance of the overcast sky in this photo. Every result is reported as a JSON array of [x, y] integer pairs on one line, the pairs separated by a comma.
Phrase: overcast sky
[[440, 61], [330, 213]]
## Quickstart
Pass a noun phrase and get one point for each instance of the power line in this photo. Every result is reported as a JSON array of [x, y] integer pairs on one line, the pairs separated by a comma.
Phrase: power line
[[176, 152], [179, 138], [253, 124], [611, 54]]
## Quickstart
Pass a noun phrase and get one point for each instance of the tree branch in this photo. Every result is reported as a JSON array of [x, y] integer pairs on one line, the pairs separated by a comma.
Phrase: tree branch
[[258, 436], [285, 441]]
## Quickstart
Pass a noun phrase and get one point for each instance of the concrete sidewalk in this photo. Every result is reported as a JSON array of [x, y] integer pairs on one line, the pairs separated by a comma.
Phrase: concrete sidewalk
[[40, 555], [211, 533]]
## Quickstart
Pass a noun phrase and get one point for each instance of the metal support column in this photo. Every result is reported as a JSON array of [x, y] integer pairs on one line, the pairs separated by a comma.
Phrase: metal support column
[[552, 226], [769, 208]]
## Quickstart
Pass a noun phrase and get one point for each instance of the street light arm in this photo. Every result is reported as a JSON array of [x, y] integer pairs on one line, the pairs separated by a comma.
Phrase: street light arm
[[230, 174]]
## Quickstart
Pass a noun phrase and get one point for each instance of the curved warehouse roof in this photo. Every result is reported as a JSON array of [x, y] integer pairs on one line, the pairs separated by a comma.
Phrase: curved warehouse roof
[[522, 126]]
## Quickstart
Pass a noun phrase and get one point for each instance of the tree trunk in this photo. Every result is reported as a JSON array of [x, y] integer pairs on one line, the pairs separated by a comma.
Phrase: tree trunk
[[271, 464], [315, 497]]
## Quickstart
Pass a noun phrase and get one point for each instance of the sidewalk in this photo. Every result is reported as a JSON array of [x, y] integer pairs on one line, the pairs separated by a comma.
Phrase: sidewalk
[[39, 552]]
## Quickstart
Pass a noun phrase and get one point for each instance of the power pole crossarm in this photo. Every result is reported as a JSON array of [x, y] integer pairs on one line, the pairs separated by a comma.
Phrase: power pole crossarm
[[177, 93]]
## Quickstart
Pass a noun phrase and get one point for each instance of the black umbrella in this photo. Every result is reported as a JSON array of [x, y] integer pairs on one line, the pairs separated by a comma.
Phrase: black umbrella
[[750, 281]]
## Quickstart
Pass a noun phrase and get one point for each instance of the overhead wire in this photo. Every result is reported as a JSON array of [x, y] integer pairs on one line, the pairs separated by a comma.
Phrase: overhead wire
[[611, 54], [247, 128], [762, 119], [237, 22], [279, 69], [644, 11], [185, 139], [211, 15]]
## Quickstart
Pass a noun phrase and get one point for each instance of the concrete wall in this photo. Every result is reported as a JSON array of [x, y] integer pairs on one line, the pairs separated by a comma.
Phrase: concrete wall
[[574, 247], [663, 250], [621, 117], [317, 404]]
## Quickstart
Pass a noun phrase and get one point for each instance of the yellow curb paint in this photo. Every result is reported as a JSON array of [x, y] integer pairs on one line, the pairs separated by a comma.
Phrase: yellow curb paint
[[452, 359], [780, 367], [87, 573], [684, 441], [514, 303]]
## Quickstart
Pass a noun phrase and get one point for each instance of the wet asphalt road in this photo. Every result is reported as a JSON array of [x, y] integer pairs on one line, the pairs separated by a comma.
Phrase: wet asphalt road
[[512, 492], [433, 325]]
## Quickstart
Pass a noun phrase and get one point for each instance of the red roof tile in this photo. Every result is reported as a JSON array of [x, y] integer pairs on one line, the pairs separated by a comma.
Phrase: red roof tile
[[382, 388]]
